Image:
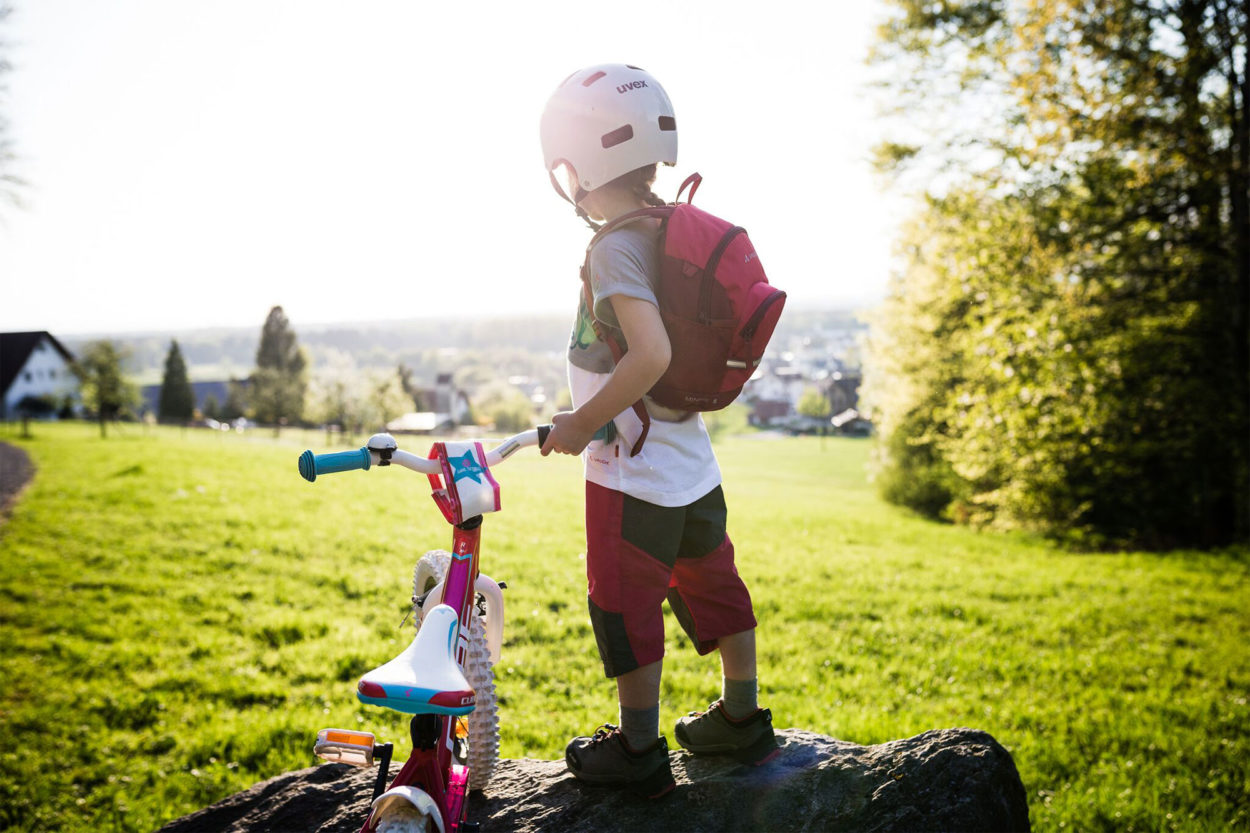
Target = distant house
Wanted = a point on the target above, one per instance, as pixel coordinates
(842, 391)
(766, 412)
(773, 394)
(852, 423)
(443, 407)
(778, 383)
(35, 366)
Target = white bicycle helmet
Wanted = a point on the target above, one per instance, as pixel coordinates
(605, 121)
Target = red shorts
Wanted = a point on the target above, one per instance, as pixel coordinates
(638, 554)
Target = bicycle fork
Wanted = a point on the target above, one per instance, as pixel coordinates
(431, 772)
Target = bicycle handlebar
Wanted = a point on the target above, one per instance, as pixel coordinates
(311, 465)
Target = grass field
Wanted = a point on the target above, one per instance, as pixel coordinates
(180, 613)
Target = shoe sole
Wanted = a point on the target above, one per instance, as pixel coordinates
(656, 784)
(757, 753)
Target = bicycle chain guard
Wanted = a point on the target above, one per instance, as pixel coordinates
(465, 488)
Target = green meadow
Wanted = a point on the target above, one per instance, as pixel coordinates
(180, 613)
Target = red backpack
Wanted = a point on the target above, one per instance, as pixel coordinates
(716, 303)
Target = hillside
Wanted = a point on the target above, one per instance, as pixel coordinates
(183, 613)
(509, 346)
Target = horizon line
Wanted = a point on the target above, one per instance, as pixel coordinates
(139, 332)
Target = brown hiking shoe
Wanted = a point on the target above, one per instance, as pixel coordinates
(749, 740)
(606, 759)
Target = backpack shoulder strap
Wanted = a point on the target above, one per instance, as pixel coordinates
(658, 212)
(609, 338)
(606, 335)
(693, 181)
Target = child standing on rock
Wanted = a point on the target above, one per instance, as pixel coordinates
(655, 521)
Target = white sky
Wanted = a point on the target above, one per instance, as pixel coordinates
(192, 164)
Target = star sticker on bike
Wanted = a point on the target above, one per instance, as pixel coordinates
(466, 467)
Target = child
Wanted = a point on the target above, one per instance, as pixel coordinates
(655, 522)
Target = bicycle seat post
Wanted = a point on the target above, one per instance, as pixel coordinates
(424, 731)
(383, 753)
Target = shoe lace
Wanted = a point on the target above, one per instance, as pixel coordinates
(604, 732)
(711, 708)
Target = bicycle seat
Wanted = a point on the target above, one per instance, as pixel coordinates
(425, 678)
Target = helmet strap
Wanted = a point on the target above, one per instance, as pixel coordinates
(581, 212)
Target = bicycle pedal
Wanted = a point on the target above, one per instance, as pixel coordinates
(344, 746)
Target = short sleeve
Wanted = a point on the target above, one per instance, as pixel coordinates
(623, 264)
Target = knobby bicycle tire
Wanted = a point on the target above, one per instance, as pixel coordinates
(483, 721)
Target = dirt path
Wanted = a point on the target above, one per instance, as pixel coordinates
(15, 472)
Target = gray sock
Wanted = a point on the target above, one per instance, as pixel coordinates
(641, 727)
(741, 697)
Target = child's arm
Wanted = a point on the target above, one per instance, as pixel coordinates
(639, 370)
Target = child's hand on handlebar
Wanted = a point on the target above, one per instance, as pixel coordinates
(568, 435)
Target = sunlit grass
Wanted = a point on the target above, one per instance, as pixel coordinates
(181, 612)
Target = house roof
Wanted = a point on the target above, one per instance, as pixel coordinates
(846, 417)
(15, 349)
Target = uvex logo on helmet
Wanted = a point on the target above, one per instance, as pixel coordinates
(632, 85)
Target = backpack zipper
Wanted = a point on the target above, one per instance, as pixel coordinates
(753, 324)
(709, 272)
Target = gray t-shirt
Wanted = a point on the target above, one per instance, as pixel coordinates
(676, 465)
(625, 262)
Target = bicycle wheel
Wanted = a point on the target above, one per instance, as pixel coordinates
(431, 569)
(483, 721)
(402, 817)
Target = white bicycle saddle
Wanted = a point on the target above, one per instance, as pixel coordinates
(425, 678)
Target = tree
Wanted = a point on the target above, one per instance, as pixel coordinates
(235, 405)
(212, 408)
(105, 390)
(407, 383)
(10, 182)
(35, 407)
(1068, 348)
(334, 389)
(280, 380)
(177, 403)
(504, 406)
(385, 399)
(814, 404)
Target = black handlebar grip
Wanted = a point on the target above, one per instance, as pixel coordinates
(543, 431)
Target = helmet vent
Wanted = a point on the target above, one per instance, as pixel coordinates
(622, 134)
(631, 66)
(668, 123)
(592, 79)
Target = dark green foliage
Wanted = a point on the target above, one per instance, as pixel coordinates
(280, 379)
(34, 407)
(106, 392)
(236, 400)
(177, 403)
(1071, 337)
(37, 406)
(919, 476)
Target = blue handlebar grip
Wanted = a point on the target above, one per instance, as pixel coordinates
(311, 465)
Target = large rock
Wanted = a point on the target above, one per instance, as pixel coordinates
(953, 779)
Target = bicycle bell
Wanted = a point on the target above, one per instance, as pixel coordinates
(384, 445)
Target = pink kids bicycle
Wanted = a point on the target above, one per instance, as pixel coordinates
(444, 677)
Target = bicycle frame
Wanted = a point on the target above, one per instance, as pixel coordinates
(431, 772)
(431, 766)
